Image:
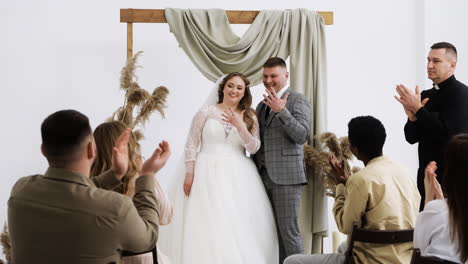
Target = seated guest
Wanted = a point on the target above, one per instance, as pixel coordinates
(381, 196)
(441, 229)
(64, 216)
(106, 136)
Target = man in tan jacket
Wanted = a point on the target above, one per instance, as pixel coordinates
(381, 196)
(65, 217)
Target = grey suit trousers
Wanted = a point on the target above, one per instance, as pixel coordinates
(285, 200)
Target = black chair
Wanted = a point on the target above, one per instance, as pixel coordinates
(377, 237)
(418, 259)
(129, 253)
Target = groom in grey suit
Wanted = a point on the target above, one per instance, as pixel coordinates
(284, 120)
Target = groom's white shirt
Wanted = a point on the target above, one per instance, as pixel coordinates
(281, 92)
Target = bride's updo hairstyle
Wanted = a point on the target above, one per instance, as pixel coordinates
(245, 103)
(105, 136)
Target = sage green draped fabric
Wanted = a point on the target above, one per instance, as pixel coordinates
(207, 39)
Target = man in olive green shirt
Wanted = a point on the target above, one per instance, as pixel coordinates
(380, 196)
(65, 217)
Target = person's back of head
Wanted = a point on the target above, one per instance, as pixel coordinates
(64, 134)
(105, 136)
(366, 135)
(455, 183)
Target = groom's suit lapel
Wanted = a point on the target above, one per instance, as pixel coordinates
(272, 114)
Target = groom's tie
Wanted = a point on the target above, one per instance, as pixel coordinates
(267, 112)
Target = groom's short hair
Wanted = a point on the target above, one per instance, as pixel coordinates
(273, 62)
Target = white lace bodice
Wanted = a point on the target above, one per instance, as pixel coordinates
(210, 134)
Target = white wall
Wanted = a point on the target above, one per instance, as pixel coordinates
(445, 22)
(64, 54)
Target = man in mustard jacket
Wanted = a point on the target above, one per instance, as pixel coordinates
(381, 196)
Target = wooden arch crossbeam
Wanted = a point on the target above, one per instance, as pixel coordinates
(131, 16)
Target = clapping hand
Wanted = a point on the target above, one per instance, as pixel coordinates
(272, 100)
(150, 167)
(431, 185)
(157, 160)
(120, 154)
(410, 101)
(234, 118)
(338, 170)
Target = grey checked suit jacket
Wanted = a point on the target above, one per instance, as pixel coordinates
(283, 137)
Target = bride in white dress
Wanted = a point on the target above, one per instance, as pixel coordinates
(222, 213)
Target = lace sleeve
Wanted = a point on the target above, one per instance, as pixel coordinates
(192, 145)
(251, 141)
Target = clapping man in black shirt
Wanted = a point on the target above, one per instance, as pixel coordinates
(435, 115)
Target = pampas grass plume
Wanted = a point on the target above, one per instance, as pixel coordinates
(125, 115)
(138, 135)
(159, 98)
(319, 161)
(127, 74)
(137, 96)
(6, 243)
(331, 141)
(156, 103)
(345, 147)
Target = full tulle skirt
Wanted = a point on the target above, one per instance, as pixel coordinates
(227, 218)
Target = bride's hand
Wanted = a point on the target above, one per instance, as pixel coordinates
(188, 183)
(234, 118)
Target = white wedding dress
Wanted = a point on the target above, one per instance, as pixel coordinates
(228, 217)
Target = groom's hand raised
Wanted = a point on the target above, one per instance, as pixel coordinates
(272, 100)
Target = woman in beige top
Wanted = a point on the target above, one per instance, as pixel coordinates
(105, 136)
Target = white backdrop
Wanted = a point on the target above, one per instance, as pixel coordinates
(68, 54)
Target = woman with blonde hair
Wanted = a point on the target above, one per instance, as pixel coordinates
(105, 136)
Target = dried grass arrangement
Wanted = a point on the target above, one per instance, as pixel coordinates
(138, 100)
(319, 161)
(5, 240)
